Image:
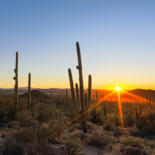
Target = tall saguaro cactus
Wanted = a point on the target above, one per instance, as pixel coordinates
(71, 84)
(16, 81)
(79, 67)
(89, 89)
(29, 90)
(77, 92)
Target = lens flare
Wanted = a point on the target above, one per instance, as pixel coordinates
(120, 109)
(100, 101)
(118, 88)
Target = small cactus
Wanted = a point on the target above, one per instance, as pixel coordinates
(16, 81)
(71, 84)
(89, 89)
(29, 91)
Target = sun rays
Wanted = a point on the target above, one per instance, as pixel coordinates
(117, 91)
(93, 106)
(120, 108)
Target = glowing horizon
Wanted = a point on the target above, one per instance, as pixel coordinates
(108, 88)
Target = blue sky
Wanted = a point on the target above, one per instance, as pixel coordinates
(117, 39)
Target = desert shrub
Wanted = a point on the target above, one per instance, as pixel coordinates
(97, 116)
(57, 130)
(132, 141)
(129, 120)
(119, 131)
(150, 144)
(77, 133)
(73, 146)
(6, 110)
(11, 147)
(71, 110)
(146, 123)
(24, 117)
(100, 139)
(22, 105)
(44, 112)
(146, 145)
(44, 134)
(111, 121)
(34, 135)
(27, 134)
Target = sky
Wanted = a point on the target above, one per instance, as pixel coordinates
(117, 41)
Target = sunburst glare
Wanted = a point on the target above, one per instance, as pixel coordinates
(118, 88)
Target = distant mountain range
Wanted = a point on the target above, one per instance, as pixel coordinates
(24, 90)
(145, 94)
(140, 92)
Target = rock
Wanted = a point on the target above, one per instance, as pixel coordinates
(128, 150)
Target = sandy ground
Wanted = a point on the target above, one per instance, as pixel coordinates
(91, 150)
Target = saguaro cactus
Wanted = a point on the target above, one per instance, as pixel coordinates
(16, 81)
(89, 89)
(79, 67)
(29, 90)
(71, 84)
(77, 92)
(66, 96)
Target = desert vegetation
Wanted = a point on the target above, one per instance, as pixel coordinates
(77, 120)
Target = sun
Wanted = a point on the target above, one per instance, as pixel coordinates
(118, 88)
